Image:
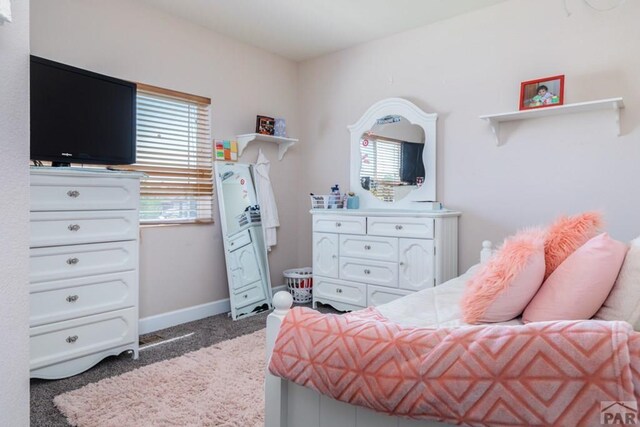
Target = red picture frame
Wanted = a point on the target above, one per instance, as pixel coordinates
(542, 93)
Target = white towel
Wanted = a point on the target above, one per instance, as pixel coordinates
(5, 11)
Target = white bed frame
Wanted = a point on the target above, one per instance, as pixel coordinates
(290, 405)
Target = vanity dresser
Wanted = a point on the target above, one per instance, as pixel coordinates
(366, 258)
(83, 270)
(400, 240)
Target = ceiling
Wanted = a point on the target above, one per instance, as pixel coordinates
(303, 29)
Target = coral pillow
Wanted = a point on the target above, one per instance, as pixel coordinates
(503, 287)
(566, 235)
(579, 286)
(623, 303)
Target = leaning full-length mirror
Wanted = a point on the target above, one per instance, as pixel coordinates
(245, 250)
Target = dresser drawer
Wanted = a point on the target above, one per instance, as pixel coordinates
(239, 240)
(369, 247)
(69, 299)
(82, 193)
(401, 227)
(377, 295)
(250, 295)
(338, 290)
(70, 339)
(71, 228)
(369, 271)
(339, 224)
(66, 262)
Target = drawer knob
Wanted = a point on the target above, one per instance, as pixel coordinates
(73, 193)
(246, 296)
(73, 261)
(338, 224)
(338, 291)
(401, 263)
(334, 256)
(367, 247)
(72, 298)
(72, 339)
(231, 243)
(399, 227)
(73, 227)
(367, 271)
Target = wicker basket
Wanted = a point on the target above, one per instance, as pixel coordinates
(327, 201)
(300, 284)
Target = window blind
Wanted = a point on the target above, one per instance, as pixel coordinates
(174, 149)
(382, 160)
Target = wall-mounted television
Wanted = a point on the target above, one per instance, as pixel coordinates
(79, 116)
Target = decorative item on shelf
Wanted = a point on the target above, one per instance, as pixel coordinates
(544, 92)
(353, 201)
(280, 128)
(226, 150)
(265, 125)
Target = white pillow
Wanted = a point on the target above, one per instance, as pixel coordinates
(623, 303)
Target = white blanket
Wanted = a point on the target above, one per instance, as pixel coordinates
(433, 307)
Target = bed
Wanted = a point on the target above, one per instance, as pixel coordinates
(435, 313)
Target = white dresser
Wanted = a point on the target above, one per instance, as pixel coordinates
(83, 268)
(369, 257)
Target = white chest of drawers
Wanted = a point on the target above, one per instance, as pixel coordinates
(83, 270)
(369, 257)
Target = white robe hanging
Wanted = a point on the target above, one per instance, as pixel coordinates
(5, 11)
(266, 200)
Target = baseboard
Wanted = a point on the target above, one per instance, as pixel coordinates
(197, 312)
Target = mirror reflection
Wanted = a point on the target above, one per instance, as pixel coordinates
(391, 154)
(245, 251)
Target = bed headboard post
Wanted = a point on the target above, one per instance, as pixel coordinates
(275, 414)
(486, 252)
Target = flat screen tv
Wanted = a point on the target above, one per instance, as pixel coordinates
(78, 116)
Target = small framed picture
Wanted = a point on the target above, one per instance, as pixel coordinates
(265, 125)
(540, 93)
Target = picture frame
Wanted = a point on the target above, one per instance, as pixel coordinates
(265, 125)
(542, 93)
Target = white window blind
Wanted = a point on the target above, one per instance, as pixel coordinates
(174, 149)
(382, 160)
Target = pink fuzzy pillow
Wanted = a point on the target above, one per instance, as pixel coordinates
(566, 235)
(580, 285)
(503, 287)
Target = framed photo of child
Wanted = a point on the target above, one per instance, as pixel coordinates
(540, 93)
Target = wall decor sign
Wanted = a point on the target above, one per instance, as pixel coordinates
(540, 93)
(265, 125)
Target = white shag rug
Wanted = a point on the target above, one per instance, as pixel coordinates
(220, 385)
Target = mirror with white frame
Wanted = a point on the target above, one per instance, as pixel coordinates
(243, 236)
(393, 156)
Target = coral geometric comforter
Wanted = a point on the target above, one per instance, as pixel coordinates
(551, 373)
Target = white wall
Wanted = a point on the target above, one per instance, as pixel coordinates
(183, 266)
(473, 65)
(14, 218)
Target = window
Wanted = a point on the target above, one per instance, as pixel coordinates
(174, 149)
(381, 166)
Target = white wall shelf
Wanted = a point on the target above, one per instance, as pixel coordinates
(283, 143)
(615, 104)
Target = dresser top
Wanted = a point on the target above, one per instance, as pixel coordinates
(77, 171)
(387, 212)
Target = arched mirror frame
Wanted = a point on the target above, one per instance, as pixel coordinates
(401, 107)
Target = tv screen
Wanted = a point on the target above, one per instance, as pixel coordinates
(78, 116)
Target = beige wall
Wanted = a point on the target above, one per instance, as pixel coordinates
(183, 266)
(14, 218)
(473, 65)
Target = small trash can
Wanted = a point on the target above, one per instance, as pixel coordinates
(299, 282)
